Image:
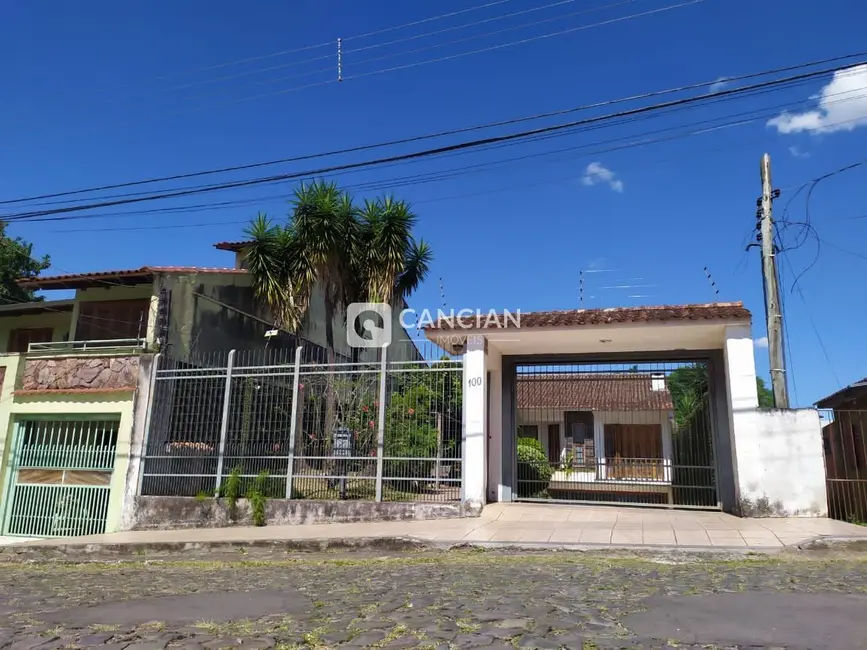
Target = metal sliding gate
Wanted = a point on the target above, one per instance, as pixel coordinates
(619, 433)
(60, 477)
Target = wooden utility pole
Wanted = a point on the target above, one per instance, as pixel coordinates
(772, 292)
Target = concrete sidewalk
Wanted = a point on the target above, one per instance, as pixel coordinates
(521, 525)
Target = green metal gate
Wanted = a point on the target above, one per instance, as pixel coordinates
(60, 478)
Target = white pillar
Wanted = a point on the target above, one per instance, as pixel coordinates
(494, 361)
(743, 400)
(475, 422)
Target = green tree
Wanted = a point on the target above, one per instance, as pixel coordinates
(16, 262)
(351, 254)
(766, 397)
(354, 255)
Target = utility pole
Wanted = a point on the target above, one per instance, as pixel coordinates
(772, 290)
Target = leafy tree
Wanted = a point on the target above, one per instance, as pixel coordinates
(766, 396)
(16, 262)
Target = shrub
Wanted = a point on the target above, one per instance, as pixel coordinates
(534, 470)
(257, 495)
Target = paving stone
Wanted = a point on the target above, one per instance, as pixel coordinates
(494, 599)
(92, 640)
(33, 642)
(544, 644)
(261, 643)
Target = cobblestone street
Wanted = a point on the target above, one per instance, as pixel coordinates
(457, 599)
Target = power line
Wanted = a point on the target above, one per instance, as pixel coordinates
(463, 26)
(400, 181)
(513, 28)
(522, 41)
(334, 55)
(472, 144)
(439, 174)
(459, 131)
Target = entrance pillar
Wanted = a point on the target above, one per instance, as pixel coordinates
(475, 422)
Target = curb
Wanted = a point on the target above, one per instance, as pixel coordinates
(137, 551)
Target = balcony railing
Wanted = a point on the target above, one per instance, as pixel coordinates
(113, 345)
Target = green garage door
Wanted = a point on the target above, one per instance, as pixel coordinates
(60, 478)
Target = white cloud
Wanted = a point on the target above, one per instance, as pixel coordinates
(596, 173)
(797, 152)
(842, 106)
(761, 342)
(719, 84)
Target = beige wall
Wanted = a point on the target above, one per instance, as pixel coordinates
(59, 321)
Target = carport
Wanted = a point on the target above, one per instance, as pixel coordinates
(606, 406)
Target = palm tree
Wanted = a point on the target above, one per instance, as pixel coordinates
(390, 264)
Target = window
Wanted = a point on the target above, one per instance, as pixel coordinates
(115, 319)
(528, 431)
(20, 339)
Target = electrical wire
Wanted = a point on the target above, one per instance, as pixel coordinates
(419, 178)
(472, 144)
(441, 134)
(522, 41)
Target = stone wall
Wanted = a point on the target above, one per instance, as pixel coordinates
(93, 373)
(164, 513)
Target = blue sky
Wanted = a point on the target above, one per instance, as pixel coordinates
(103, 92)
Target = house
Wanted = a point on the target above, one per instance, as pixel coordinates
(599, 428)
(313, 326)
(845, 445)
(77, 374)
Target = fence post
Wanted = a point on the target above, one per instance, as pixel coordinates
(149, 410)
(224, 422)
(293, 425)
(380, 429)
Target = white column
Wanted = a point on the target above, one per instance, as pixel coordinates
(475, 434)
(743, 400)
(494, 361)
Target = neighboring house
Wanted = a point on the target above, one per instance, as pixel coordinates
(313, 327)
(845, 445)
(72, 372)
(599, 429)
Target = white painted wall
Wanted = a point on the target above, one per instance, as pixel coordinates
(785, 473)
(474, 439)
(778, 461)
(495, 426)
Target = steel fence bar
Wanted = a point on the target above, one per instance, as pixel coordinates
(380, 429)
(293, 424)
(224, 422)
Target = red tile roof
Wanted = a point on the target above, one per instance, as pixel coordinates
(592, 392)
(578, 317)
(124, 276)
(233, 246)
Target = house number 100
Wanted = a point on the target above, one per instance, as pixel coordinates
(475, 381)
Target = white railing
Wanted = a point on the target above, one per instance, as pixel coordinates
(86, 346)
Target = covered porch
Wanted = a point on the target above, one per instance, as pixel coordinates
(590, 405)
